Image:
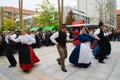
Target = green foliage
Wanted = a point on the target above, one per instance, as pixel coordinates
(48, 16)
(70, 18)
(7, 24)
(36, 21)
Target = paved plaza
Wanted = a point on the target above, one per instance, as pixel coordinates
(48, 69)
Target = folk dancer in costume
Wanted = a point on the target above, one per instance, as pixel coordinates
(97, 49)
(108, 45)
(82, 54)
(11, 46)
(60, 38)
(100, 36)
(27, 57)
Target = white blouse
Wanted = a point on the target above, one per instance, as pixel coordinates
(26, 39)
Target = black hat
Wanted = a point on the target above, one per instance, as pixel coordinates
(101, 24)
(63, 26)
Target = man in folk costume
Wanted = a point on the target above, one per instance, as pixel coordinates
(27, 57)
(100, 36)
(60, 38)
(11, 47)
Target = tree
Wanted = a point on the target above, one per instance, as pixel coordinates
(100, 8)
(70, 18)
(110, 12)
(35, 21)
(105, 10)
(7, 24)
(48, 16)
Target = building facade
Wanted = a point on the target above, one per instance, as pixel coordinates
(13, 13)
(78, 14)
(118, 19)
(99, 10)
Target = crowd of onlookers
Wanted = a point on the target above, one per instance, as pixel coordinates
(43, 38)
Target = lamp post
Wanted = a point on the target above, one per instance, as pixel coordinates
(60, 11)
(1, 16)
(20, 13)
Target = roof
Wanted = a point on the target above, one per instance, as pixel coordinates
(27, 17)
(118, 12)
(16, 10)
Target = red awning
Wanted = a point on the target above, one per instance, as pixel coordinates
(78, 22)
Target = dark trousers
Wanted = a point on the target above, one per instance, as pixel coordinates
(102, 54)
(63, 55)
(9, 55)
(1, 50)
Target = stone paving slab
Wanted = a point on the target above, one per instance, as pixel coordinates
(48, 69)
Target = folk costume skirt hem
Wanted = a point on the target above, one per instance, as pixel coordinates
(29, 58)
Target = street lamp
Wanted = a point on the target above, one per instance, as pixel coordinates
(60, 11)
(1, 17)
(20, 13)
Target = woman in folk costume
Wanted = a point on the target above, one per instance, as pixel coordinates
(82, 53)
(27, 57)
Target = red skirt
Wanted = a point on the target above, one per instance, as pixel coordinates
(33, 59)
(76, 42)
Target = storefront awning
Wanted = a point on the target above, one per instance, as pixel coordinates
(34, 29)
(49, 28)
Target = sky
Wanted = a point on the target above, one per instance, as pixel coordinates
(30, 4)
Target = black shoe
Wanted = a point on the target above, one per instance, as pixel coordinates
(106, 57)
(96, 57)
(58, 61)
(12, 66)
(101, 62)
(26, 71)
(64, 70)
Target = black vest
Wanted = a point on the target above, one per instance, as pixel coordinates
(62, 38)
(10, 42)
(101, 35)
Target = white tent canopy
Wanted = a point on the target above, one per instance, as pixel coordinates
(81, 25)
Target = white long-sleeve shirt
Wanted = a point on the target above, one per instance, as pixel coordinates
(55, 35)
(98, 32)
(26, 39)
(13, 36)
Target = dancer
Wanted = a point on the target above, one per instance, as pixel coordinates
(11, 46)
(27, 57)
(60, 38)
(99, 35)
(82, 53)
